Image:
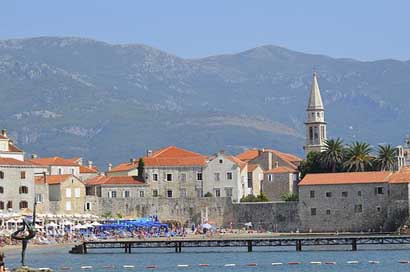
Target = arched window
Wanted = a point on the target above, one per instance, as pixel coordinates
(1, 190)
(1, 205)
(23, 190)
(23, 204)
(1, 175)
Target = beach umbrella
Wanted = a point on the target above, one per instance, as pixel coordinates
(95, 224)
(206, 226)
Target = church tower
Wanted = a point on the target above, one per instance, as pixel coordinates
(315, 122)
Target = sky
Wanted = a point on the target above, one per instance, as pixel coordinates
(359, 29)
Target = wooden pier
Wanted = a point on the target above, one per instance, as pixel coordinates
(298, 242)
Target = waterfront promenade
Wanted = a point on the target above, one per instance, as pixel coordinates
(296, 241)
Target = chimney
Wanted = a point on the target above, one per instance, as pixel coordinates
(276, 164)
(109, 167)
(80, 161)
(134, 161)
(269, 160)
(149, 153)
(90, 164)
(4, 132)
(34, 156)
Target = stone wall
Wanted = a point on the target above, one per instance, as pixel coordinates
(271, 216)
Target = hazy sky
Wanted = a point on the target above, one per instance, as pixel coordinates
(362, 29)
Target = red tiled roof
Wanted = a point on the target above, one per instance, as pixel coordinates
(169, 156)
(248, 155)
(119, 180)
(58, 161)
(403, 176)
(88, 170)
(10, 161)
(234, 159)
(254, 153)
(345, 178)
(281, 169)
(52, 179)
(13, 148)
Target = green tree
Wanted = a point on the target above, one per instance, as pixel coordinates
(208, 194)
(312, 164)
(333, 155)
(386, 157)
(141, 166)
(289, 197)
(358, 158)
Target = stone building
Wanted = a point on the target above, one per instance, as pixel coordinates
(344, 201)
(255, 178)
(17, 190)
(8, 149)
(58, 166)
(279, 181)
(170, 172)
(60, 194)
(226, 176)
(316, 134)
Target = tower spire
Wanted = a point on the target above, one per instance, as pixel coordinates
(315, 122)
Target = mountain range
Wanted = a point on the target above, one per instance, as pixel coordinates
(77, 97)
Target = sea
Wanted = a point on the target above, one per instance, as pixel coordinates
(384, 259)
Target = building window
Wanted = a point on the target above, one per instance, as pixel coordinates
(358, 208)
(328, 212)
(221, 161)
(217, 176)
(155, 177)
(312, 194)
(270, 177)
(1, 205)
(169, 177)
(88, 206)
(68, 192)
(218, 192)
(378, 208)
(359, 193)
(72, 171)
(23, 190)
(199, 176)
(250, 183)
(344, 194)
(23, 174)
(68, 206)
(60, 171)
(328, 194)
(77, 192)
(311, 134)
(1, 175)
(379, 190)
(1, 190)
(229, 176)
(39, 198)
(9, 205)
(142, 193)
(23, 205)
(126, 194)
(313, 211)
(169, 193)
(155, 193)
(228, 192)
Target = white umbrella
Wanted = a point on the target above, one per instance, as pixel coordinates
(206, 226)
(95, 224)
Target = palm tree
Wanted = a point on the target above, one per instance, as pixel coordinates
(358, 157)
(333, 154)
(386, 157)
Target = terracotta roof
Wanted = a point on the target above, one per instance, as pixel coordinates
(345, 178)
(52, 179)
(10, 161)
(403, 176)
(13, 148)
(281, 169)
(254, 153)
(104, 180)
(169, 156)
(252, 167)
(239, 162)
(58, 161)
(88, 170)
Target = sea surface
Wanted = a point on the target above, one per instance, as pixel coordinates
(238, 259)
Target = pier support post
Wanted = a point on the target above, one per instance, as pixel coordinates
(84, 248)
(180, 247)
(250, 246)
(298, 245)
(354, 244)
(129, 248)
(176, 247)
(125, 248)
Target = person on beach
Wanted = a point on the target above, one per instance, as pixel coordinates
(2, 265)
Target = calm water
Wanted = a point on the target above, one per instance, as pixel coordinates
(166, 260)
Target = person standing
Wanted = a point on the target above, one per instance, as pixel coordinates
(2, 265)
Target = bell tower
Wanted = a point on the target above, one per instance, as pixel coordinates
(315, 122)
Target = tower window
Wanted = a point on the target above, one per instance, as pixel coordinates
(310, 134)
